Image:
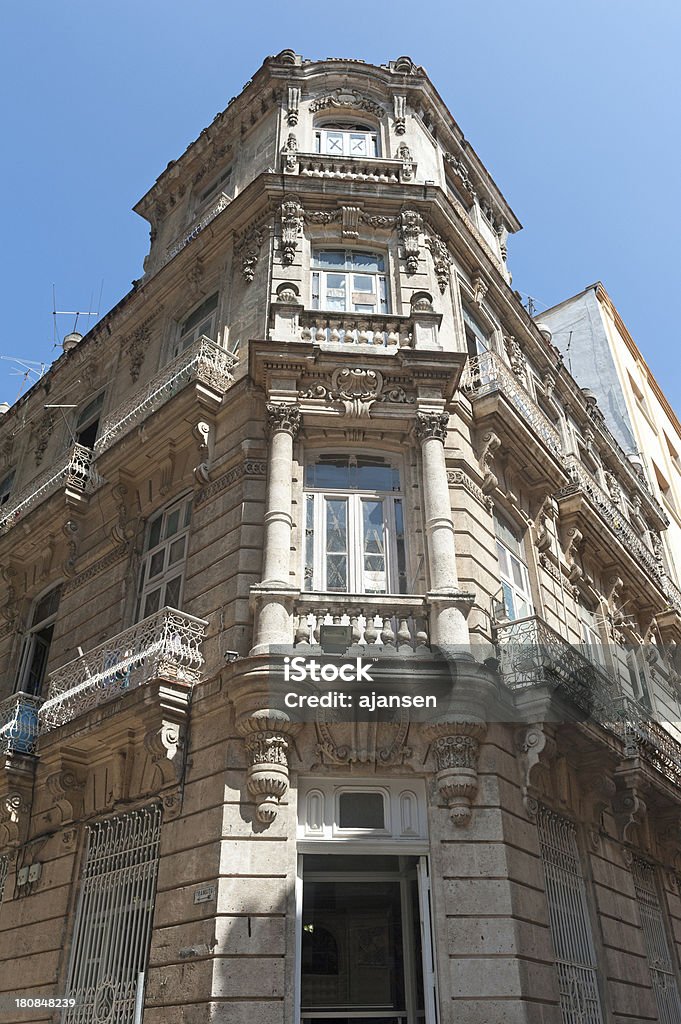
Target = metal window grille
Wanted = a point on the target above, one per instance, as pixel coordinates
(656, 943)
(4, 864)
(573, 944)
(113, 920)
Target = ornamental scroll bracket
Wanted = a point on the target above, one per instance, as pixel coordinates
(536, 750)
(292, 215)
(411, 226)
(455, 746)
(268, 736)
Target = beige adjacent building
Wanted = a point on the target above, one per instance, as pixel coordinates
(321, 426)
(595, 341)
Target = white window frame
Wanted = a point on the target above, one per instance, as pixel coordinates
(188, 333)
(320, 287)
(591, 639)
(406, 834)
(478, 341)
(346, 138)
(90, 414)
(520, 591)
(316, 507)
(171, 571)
(32, 641)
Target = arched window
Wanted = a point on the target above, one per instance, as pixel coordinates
(347, 280)
(36, 648)
(354, 526)
(346, 138)
(165, 553)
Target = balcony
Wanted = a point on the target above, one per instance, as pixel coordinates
(73, 473)
(485, 379)
(166, 645)
(644, 736)
(203, 362)
(19, 724)
(347, 329)
(346, 168)
(384, 622)
(607, 512)
(195, 228)
(531, 654)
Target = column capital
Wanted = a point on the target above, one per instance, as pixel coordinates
(431, 425)
(282, 416)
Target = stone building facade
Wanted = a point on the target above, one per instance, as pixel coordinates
(323, 426)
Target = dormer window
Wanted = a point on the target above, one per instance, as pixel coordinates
(346, 138)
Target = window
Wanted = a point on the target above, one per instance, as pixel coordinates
(36, 647)
(592, 643)
(636, 665)
(569, 920)
(198, 323)
(477, 337)
(87, 424)
(515, 580)
(6, 485)
(350, 281)
(354, 526)
(656, 942)
(165, 551)
(664, 486)
(344, 138)
(112, 926)
(219, 184)
(364, 934)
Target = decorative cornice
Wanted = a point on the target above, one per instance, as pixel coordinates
(107, 562)
(249, 468)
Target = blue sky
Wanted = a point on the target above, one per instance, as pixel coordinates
(573, 107)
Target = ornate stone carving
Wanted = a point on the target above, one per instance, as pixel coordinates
(283, 417)
(516, 358)
(42, 433)
(249, 467)
(346, 99)
(411, 226)
(293, 105)
(357, 389)
(137, 347)
(462, 173)
(542, 536)
(480, 287)
(379, 743)
(267, 734)
(408, 162)
(67, 787)
(288, 294)
(630, 813)
(572, 545)
(350, 221)
(441, 260)
(14, 818)
(290, 152)
(165, 746)
(101, 565)
(9, 610)
(248, 252)
(201, 432)
(195, 276)
(399, 114)
(491, 445)
(70, 531)
(455, 747)
(291, 228)
(431, 424)
(536, 750)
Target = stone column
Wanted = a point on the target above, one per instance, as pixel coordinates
(273, 596)
(448, 604)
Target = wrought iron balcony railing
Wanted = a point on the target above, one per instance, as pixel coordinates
(615, 519)
(644, 736)
(352, 329)
(388, 621)
(203, 361)
(73, 471)
(166, 645)
(196, 227)
(19, 724)
(532, 654)
(487, 373)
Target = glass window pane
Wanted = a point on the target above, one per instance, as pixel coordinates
(336, 525)
(188, 513)
(362, 283)
(172, 598)
(334, 143)
(154, 532)
(176, 551)
(309, 542)
(361, 810)
(337, 573)
(399, 543)
(151, 603)
(518, 574)
(172, 523)
(156, 563)
(509, 603)
(333, 258)
(503, 559)
(358, 145)
(367, 261)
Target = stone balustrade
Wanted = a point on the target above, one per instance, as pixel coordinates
(19, 723)
(487, 373)
(165, 645)
(613, 516)
(389, 622)
(204, 361)
(323, 328)
(319, 165)
(72, 471)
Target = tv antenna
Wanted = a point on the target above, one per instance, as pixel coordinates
(27, 369)
(74, 313)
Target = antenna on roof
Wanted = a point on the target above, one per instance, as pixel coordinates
(57, 341)
(26, 369)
